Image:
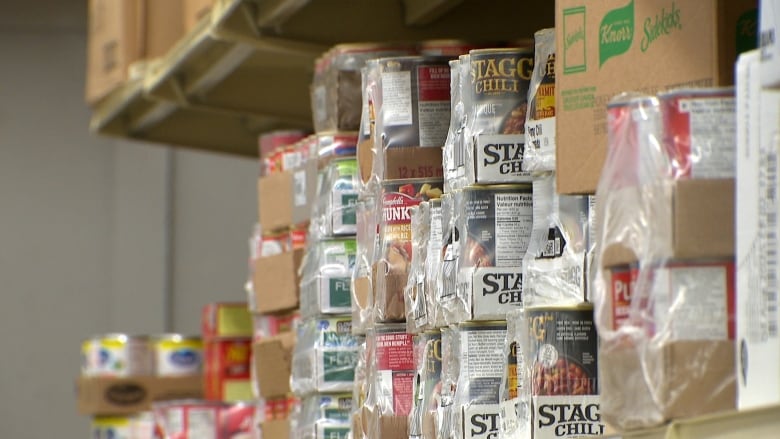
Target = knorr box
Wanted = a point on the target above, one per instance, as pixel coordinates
(612, 46)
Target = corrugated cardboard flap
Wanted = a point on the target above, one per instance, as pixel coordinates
(276, 282)
(124, 396)
(703, 219)
(273, 363)
(275, 202)
(275, 429)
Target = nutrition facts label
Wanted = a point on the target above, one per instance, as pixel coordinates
(397, 98)
(513, 225)
(483, 355)
(712, 136)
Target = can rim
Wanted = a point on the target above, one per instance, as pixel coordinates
(512, 50)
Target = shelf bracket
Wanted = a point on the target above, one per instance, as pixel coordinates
(248, 13)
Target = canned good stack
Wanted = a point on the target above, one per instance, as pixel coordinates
(122, 374)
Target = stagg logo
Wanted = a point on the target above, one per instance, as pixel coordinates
(507, 155)
(507, 286)
(484, 425)
(570, 420)
(125, 394)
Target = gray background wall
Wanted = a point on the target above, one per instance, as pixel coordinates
(84, 224)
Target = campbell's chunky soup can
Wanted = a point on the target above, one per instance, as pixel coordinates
(563, 352)
(395, 367)
(398, 198)
(499, 80)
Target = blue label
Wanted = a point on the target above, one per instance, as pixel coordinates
(185, 357)
(105, 357)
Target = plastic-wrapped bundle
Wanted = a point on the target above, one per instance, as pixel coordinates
(456, 115)
(449, 308)
(326, 284)
(450, 371)
(337, 194)
(325, 356)
(665, 269)
(495, 142)
(427, 388)
(359, 392)
(515, 413)
(365, 260)
(462, 109)
(204, 419)
(415, 302)
(325, 417)
(398, 198)
(539, 154)
(554, 267)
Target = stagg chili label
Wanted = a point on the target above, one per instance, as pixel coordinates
(481, 421)
(498, 223)
(564, 372)
(395, 368)
(499, 86)
(415, 105)
(511, 370)
(540, 124)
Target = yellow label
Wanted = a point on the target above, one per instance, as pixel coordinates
(170, 345)
(112, 343)
(512, 380)
(234, 322)
(238, 390)
(110, 421)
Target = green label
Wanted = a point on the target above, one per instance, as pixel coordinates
(349, 214)
(574, 60)
(347, 167)
(337, 414)
(350, 247)
(664, 23)
(339, 366)
(747, 31)
(335, 339)
(335, 432)
(616, 32)
(340, 292)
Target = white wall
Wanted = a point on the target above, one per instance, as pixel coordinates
(86, 225)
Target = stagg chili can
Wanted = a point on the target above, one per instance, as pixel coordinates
(563, 356)
(395, 367)
(482, 368)
(398, 198)
(496, 230)
(500, 79)
(415, 107)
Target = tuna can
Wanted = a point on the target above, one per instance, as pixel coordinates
(415, 105)
(500, 79)
(117, 355)
(701, 127)
(563, 356)
(177, 355)
(482, 364)
(497, 224)
(398, 198)
(395, 367)
(111, 427)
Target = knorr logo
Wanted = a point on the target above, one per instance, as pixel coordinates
(664, 23)
(616, 32)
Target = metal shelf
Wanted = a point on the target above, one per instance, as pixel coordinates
(758, 423)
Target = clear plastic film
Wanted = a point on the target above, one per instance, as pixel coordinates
(515, 412)
(326, 277)
(456, 114)
(450, 371)
(325, 417)
(362, 275)
(359, 392)
(554, 267)
(664, 282)
(477, 404)
(495, 225)
(433, 263)
(539, 154)
(464, 111)
(449, 307)
(337, 195)
(254, 245)
(427, 390)
(496, 108)
(325, 356)
(415, 300)
(392, 272)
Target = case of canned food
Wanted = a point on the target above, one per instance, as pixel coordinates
(326, 284)
(664, 287)
(420, 292)
(539, 152)
(325, 417)
(325, 356)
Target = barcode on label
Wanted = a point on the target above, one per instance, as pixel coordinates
(768, 232)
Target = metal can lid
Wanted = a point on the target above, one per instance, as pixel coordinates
(482, 324)
(499, 187)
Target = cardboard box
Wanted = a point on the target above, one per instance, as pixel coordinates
(194, 11)
(164, 26)
(694, 219)
(614, 46)
(769, 18)
(225, 320)
(758, 119)
(227, 370)
(125, 396)
(416, 162)
(275, 429)
(286, 198)
(276, 282)
(115, 40)
(273, 363)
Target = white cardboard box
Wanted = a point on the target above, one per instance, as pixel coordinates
(769, 17)
(758, 342)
